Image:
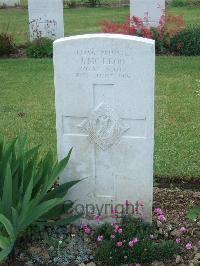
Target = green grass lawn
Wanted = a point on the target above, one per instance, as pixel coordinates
(79, 21)
(27, 86)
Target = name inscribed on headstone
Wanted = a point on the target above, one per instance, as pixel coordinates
(112, 62)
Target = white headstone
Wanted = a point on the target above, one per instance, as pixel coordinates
(104, 87)
(151, 9)
(9, 2)
(46, 19)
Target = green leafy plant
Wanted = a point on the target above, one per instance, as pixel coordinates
(71, 3)
(193, 3)
(130, 242)
(27, 192)
(39, 48)
(182, 3)
(194, 213)
(7, 45)
(178, 3)
(93, 3)
(186, 42)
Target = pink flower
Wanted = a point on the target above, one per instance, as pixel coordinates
(100, 238)
(114, 224)
(112, 236)
(158, 211)
(183, 229)
(84, 226)
(131, 243)
(135, 240)
(117, 228)
(120, 230)
(178, 240)
(98, 218)
(86, 229)
(119, 243)
(189, 246)
(161, 218)
(114, 211)
(138, 264)
(151, 237)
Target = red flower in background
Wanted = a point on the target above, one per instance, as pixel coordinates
(169, 26)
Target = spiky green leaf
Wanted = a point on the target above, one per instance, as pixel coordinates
(7, 193)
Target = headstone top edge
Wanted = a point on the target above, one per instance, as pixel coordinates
(105, 35)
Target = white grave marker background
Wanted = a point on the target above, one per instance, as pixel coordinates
(46, 19)
(105, 110)
(9, 2)
(151, 8)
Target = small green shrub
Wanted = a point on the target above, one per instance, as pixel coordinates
(193, 3)
(182, 3)
(178, 3)
(144, 250)
(186, 42)
(194, 213)
(27, 192)
(7, 45)
(93, 3)
(39, 48)
(71, 3)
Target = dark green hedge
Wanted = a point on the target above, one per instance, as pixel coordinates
(186, 42)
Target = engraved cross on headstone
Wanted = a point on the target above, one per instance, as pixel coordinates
(104, 128)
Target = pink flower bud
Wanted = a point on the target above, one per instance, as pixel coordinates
(84, 226)
(100, 238)
(87, 230)
(135, 240)
(119, 230)
(158, 211)
(116, 228)
(114, 211)
(98, 218)
(130, 243)
(119, 244)
(189, 246)
(183, 229)
(161, 218)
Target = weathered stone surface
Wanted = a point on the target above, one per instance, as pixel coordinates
(46, 19)
(105, 110)
(150, 11)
